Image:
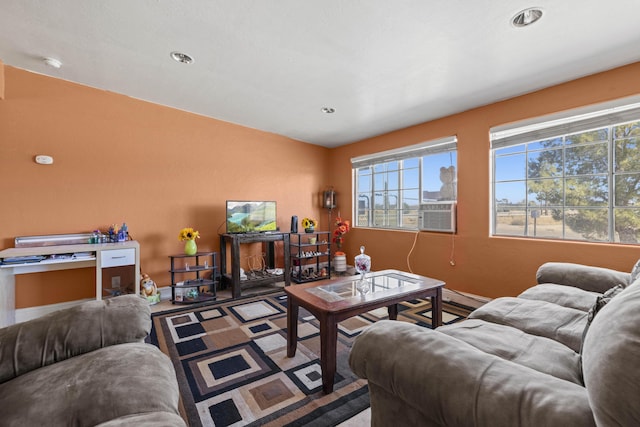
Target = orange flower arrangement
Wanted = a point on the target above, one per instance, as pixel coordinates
(342, 228)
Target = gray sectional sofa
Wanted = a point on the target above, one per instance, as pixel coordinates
(565, 353)
(86, 366)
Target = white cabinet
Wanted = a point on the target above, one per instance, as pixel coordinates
(101, 256)
(118, 257)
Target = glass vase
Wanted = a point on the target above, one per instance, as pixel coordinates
(363, 266)
(190, 247)
(363, 262)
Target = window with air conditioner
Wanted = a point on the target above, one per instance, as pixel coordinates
(393, 189)
(572, 178)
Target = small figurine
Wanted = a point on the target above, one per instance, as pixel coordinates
(149, 289)
(122, 234)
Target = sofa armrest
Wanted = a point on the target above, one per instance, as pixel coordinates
(69, 332)
(589, 278)
(454, 384)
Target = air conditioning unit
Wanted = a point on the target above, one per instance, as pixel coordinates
(437, 216)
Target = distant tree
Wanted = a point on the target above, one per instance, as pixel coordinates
(584, 163)
(627, 185)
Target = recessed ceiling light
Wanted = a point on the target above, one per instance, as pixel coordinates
(526, 17)
(328, 110)
(182, 57)
(52, 62)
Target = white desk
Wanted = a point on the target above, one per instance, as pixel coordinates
(100, 256)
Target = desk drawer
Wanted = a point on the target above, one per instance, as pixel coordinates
(117, 257)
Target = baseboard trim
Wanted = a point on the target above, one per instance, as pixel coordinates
(464, 298)
(24, 314)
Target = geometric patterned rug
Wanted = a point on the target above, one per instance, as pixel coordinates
(231, 362)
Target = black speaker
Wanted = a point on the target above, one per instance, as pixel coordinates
(294, 224)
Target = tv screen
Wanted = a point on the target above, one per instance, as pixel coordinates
(251, 217)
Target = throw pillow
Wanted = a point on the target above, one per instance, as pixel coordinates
(601, 301)
(635, 272)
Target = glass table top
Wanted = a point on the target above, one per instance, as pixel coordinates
(377, 283)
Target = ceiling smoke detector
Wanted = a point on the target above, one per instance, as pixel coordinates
(526, 17)
(181, 57)
(328, 110)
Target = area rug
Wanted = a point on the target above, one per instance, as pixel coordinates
(231, 362)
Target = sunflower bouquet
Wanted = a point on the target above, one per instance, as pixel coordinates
(309, 223)
(188, 234)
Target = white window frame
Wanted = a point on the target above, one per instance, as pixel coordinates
(564, 124)
(417, 151)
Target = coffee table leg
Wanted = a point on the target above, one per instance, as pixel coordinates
(393, 311)
(436, 309)
(328, 348)
(292, 327)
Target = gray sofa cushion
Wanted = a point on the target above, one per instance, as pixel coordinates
(539, 353)
(66, 333)
(92, 388)
(545, 319)
(152, 419)
(635, 272)
(596, 279)
(601, 301)
(565, 296)
(610, 360)
(452, 383)
(514, 361)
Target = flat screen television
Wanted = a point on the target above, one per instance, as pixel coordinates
(251, 216)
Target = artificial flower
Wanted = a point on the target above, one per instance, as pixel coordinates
(309, 223)
(342, 228)
(188, 234)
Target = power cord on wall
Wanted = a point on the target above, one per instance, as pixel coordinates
(452, 260)
(415, 240)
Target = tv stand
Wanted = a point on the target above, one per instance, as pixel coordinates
(232, 278)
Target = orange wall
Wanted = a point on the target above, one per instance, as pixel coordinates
(117, 159)
(484, 265)
(1, 80)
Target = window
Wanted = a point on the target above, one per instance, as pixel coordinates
(576, 179)
(390, 186)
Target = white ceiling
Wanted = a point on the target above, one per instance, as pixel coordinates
(272, 65)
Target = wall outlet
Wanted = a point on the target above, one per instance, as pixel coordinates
(115, 282)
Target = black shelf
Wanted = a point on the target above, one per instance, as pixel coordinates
(262, 279)
(307, 258)
(202, 297)
(232, 276)
(194, 283)
(206, 287)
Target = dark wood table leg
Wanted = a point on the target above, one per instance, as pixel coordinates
(436, 309)
(393, 311)
(328, 348)
(292, 326)
(235, 269)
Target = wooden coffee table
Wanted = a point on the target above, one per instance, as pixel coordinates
(335, 301)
